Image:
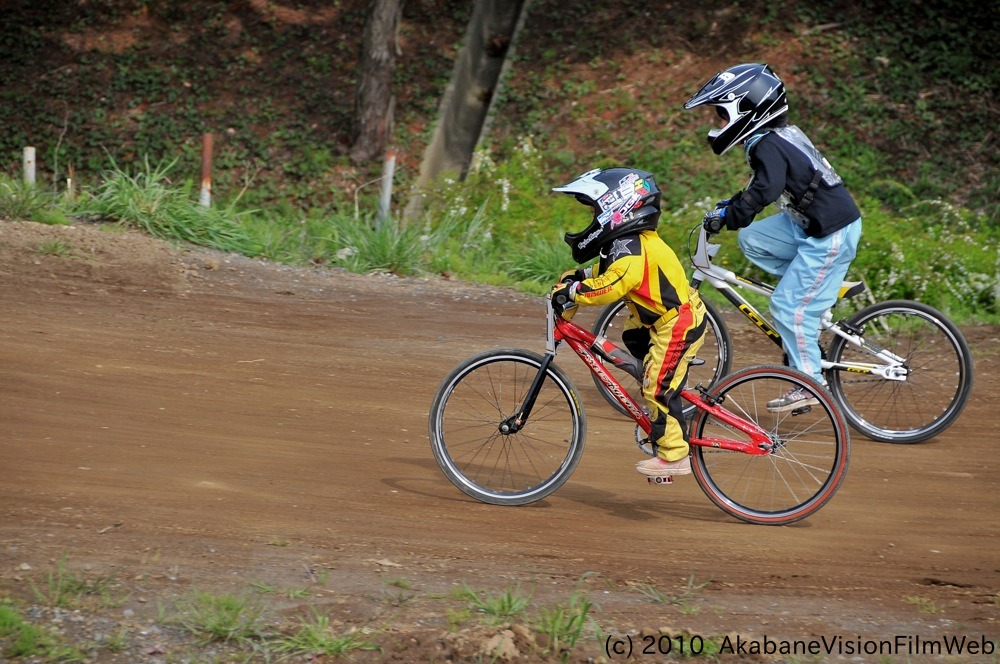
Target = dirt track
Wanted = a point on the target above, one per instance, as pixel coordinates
(190, 421)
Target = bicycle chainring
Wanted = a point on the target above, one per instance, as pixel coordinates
(645, 444)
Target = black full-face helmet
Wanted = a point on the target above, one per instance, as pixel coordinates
(623, 201)
(747, 96)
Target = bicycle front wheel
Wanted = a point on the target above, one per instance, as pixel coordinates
(714, 356)
(936, 388)
(506, 468)
(810, 449)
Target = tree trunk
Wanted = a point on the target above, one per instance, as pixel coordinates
(466, 106)
(374, 101)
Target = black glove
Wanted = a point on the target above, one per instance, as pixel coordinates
(714, 220)
(723, 203)
(561, 295)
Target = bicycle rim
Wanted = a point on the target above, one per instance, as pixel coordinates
(936, 389)
(497, 468)
(714, 351)
(806, 466)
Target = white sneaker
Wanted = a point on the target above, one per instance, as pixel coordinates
(657, 467)
(797, 397)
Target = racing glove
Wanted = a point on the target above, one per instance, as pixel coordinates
(562, 295)
(715, 220)
(569, 276)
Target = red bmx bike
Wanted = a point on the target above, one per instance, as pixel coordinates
(507, 427)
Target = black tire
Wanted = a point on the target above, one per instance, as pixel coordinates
(805, 467)
(515, 468)
(935, 391)
(715, 351)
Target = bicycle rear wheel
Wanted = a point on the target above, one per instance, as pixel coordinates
(935, 390)
(715, 352)
(806, 465)
(506, 468)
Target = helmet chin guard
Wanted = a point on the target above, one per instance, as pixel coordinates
(624, 201)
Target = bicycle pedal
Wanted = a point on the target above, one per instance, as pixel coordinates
(669, 479)
(802, 411)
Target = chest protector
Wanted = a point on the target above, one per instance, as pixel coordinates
(823, 172)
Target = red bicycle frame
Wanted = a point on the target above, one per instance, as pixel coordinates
(588, 346)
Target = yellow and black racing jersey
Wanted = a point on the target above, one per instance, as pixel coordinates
(641, 268)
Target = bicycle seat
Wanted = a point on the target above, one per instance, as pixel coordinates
(850, 289)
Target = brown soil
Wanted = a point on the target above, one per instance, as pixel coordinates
(176, 420)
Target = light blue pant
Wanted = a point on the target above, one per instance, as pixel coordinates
(811, 271)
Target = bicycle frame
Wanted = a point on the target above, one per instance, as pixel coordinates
(585, 344)
(726, 282)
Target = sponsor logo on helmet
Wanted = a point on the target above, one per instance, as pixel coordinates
(590, 238)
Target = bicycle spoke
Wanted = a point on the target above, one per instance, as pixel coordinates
(938, 380)
(512, 468)
(804, 466)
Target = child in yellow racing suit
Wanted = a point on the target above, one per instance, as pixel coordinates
(667, 317)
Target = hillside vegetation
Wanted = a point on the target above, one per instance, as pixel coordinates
(900, 96)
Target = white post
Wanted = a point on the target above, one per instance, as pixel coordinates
(29, 166)
(385, 196)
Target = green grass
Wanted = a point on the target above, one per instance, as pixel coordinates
(147, 199)
(925, 605)
(58, 248)
(564, 623)
(64, 588)
(495, 609)
(314, 637)
(685, 601)
(21, 639)
(221, 618)
(19, 200)
(929, 250)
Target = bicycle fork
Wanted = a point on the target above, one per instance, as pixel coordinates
(514, 423)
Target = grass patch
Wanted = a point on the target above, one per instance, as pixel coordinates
(65, 588)
(315, 638)
(221, 618)
(58, 248)
(19, 200)
(495, 609)
(564, 624)
(147, 199)
(21, 639)
(925, 605)
(685, 601)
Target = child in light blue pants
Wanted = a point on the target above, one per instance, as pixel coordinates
(811, 271)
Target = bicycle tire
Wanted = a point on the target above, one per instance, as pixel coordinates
(514, 468)
(933, 394)
(804, 469)
(715, 351)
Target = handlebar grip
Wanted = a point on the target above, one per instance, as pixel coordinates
(560, 299)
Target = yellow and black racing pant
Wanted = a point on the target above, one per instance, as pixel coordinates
(668, 347)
